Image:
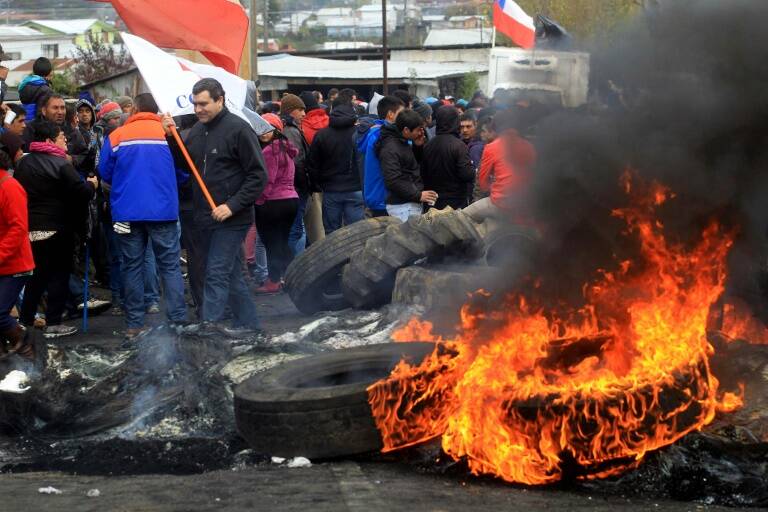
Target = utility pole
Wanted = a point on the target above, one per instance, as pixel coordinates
(384, 50)
(254, 36)
(266, 25)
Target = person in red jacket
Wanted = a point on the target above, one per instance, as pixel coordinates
(505, 171)
(16, 262)
(316, 119)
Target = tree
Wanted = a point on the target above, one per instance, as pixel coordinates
(468, 84)
(586, 18)
(63, 84)
(99, 60)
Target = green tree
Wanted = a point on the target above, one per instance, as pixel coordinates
(64, 84)
(586, 18)
(468, 84)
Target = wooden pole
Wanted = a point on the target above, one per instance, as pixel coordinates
(192, 166)
(254, 41)
(384, 51)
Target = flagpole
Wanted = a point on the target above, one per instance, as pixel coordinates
(192, 166)
(493, 37)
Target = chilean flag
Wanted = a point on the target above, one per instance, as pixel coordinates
(511, 20)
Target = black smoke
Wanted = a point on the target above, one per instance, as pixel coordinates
(680, 95)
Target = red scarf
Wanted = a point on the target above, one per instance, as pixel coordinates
(49, 148)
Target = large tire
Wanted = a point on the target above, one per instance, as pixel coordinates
(317, 407)
(313, 279)
(369, 278)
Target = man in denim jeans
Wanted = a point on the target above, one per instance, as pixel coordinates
(138, 164)
(226, 151)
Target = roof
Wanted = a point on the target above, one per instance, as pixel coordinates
(7, 31)
(58, 63)
(348, 21)
(466, 17)
(334, 11)
(458, 36)
(377, 8)
(433, 17)
(291, 66)
(70, 27)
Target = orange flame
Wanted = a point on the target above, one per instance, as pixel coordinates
(536, 395)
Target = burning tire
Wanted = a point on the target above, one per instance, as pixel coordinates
(369, 278)
(317, 407)
(313, 279)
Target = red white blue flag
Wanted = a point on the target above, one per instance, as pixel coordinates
(512, 21)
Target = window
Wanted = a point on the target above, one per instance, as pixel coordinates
(50, 51)
(12, 55)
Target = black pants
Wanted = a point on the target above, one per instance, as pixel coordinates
(197, 255)
(273, 222)
(53, 261)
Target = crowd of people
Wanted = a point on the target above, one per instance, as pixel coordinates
(104, 192)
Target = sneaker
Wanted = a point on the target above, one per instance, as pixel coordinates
(153, 309)
(185, 327)
(116, 311)
(242, 332)
(96, 306)
(58, 331)
(268, 288)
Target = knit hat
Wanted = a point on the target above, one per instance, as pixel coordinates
(422, 109)
(308, 97)
(289, 103)
(274, 120)
(110, 110)
(123, 101)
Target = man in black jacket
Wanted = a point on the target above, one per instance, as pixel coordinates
(53, 109)
(333, 168)
(226, 151)
(399, 167)
(446, 167)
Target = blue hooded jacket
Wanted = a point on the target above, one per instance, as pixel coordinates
(32, 89)
(374, 190)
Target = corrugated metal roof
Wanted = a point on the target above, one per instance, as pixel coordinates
(458, 36)
(291, 66)
(71, 27)
(7, 31)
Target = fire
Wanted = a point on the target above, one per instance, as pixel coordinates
(530, 393)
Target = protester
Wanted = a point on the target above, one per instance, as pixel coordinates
(316, 117)
(15, 120)
(374, 190)
(399, 167)
(57, 195)
(35, 87)
(471, 138)
(226, 150)
(53, 109)
(125, 103)
(16, 262)
(446, 167)
(292, 113)
(86, 116)
(333, 93)
(137, 163)
(505, 172)
(425, 111)
(13, 146)
(333, 168)
(277, 206)
(405, 97)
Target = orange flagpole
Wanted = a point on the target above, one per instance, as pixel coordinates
(192, 166)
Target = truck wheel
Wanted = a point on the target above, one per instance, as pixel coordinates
(317, 407)
(369, 278)
(313, 279)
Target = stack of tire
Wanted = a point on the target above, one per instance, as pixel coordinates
(356, 266)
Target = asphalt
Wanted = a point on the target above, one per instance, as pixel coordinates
(369, 483)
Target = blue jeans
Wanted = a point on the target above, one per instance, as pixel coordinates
(297, 238)
(224, 280)
(164, 239)
(10, 287)
(341, 208)
(151, 279)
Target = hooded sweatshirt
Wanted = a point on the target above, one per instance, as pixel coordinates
(374, 190)
(331, 162)
(279, 155)
(446, 167)
(89, 136)
(32, 89)
(315, 120)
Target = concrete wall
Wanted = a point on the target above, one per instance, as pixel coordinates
(479, 55)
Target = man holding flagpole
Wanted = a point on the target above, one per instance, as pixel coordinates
(227, 154)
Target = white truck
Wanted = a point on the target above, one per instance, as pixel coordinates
(550, 77)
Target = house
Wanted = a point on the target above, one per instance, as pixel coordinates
(22, 43)
(19, 69)
(468, 22)
(331, 14)
(351, 28)
(77, 29)
(372, 13)
(455, 37)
